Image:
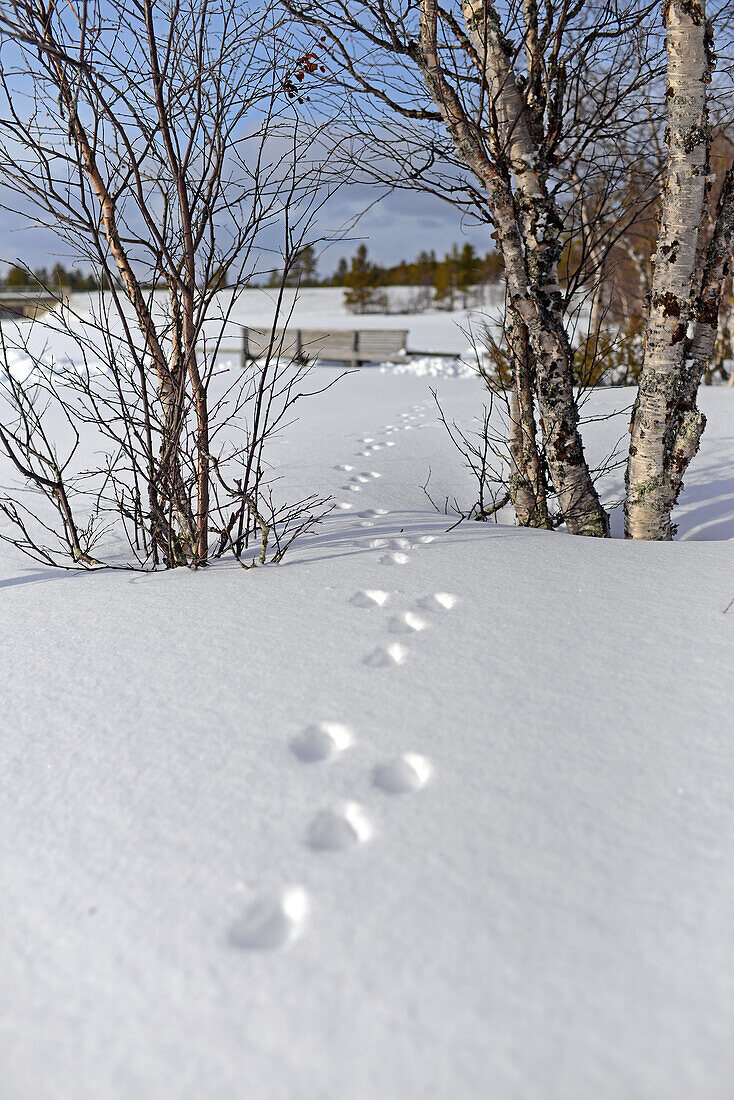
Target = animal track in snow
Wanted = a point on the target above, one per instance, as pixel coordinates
(370, 513)
(395, 558)
(377, 544)
(365, 476)
(425, 539)
(344, 468)
(439, 601)
(271, 921)
(352, 488)
(344, 505)
(321, 741)
(409, 772)
(406, 623)
(390, 443)
(394, 654)
(339, 828)
(370, 597)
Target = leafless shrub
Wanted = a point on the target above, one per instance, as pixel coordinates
(155, 141)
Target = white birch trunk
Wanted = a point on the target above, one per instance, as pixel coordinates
(690, 421)
(526, 485)
(651, 481)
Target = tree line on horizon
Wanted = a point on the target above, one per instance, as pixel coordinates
(446, 282)
(58, 278)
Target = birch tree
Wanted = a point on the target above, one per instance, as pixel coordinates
(686, 291)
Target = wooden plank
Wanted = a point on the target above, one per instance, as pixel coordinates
(379, 343)
(316, 343)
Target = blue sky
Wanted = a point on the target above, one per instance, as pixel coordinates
(402, 225)
(399, 227)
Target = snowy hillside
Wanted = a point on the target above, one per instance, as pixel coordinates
(418, 813)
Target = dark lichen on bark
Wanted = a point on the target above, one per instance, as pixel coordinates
(669, 304)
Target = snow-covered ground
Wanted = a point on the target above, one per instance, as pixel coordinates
(419, 813)
(434, 330)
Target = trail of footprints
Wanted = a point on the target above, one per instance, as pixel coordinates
(275, 919)
(407, 623)
(370, 446)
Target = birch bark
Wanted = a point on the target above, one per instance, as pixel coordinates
(690, 421)
(527, 484)
(652, 478)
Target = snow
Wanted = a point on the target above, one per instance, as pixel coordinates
(426, 811)
(432, 366)
(434, 330)
(323, 308)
